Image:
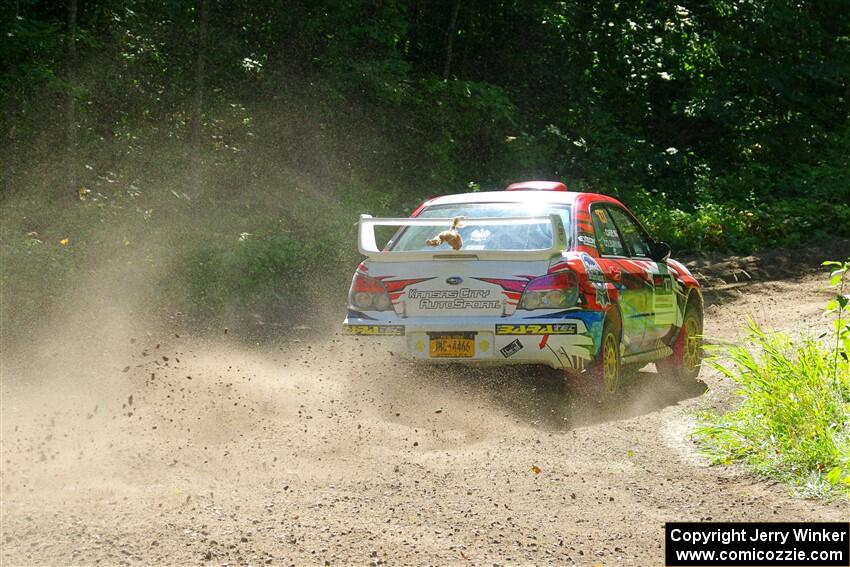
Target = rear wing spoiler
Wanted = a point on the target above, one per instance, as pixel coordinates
(369, 247)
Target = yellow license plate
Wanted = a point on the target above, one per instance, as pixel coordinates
(452, 346)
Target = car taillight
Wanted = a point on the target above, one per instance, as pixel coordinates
(368, 294)
(554, 291)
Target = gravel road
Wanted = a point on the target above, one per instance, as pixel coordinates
(168, 448)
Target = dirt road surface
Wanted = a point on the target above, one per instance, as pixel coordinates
(147, 447)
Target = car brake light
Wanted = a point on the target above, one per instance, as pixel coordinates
(553, 291)
(368, 294)
(536, 186)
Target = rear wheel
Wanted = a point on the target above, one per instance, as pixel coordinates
(685, 362)
(607, 371)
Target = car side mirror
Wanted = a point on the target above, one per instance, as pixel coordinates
(660, 251)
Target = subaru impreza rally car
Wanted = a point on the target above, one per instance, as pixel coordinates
(542, 276)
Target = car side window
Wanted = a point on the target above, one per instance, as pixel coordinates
(608, 240)
(635, 238)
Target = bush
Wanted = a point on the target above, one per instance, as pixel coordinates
(794, 419)
(741, 227)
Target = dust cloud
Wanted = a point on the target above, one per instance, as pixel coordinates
(128, 439)
(135, 432)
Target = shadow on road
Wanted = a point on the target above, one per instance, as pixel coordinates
(541, 398)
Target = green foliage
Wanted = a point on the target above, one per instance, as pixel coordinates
(838, 308)
(736, 105)
(741, 227)
(283, 267)
(724, 125)
(266, 269)
(793, 422)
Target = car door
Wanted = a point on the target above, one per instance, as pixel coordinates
(662, 304)
(630, 278)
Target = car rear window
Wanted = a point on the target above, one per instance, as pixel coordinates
(482, 237)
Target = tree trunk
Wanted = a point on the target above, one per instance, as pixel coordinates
(10, 156)
(198, 106)
(71, 106)
(450, 40)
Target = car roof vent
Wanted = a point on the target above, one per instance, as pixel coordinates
(536, 186)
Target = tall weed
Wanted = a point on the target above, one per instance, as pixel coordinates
(793, 422)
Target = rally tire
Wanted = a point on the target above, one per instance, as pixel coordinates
(605, 377)
(685, 362)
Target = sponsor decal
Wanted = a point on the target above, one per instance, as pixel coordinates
(596, 278)
(374, 330)
(612, 244)
(587, 240)
(570, 361)
(602, 295)
(663, 281)
(594, 272)
(537, 329)
(463, 298)
(511, 349)
(480, 234)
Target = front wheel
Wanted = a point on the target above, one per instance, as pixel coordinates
(685, 362)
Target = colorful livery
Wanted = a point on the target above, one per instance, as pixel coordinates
(542, 276)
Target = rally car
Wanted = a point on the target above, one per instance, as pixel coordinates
(534, 274)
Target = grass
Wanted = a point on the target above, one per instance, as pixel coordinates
(793, 421)
(277, 254)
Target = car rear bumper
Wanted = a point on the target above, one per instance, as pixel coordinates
(567, 341)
